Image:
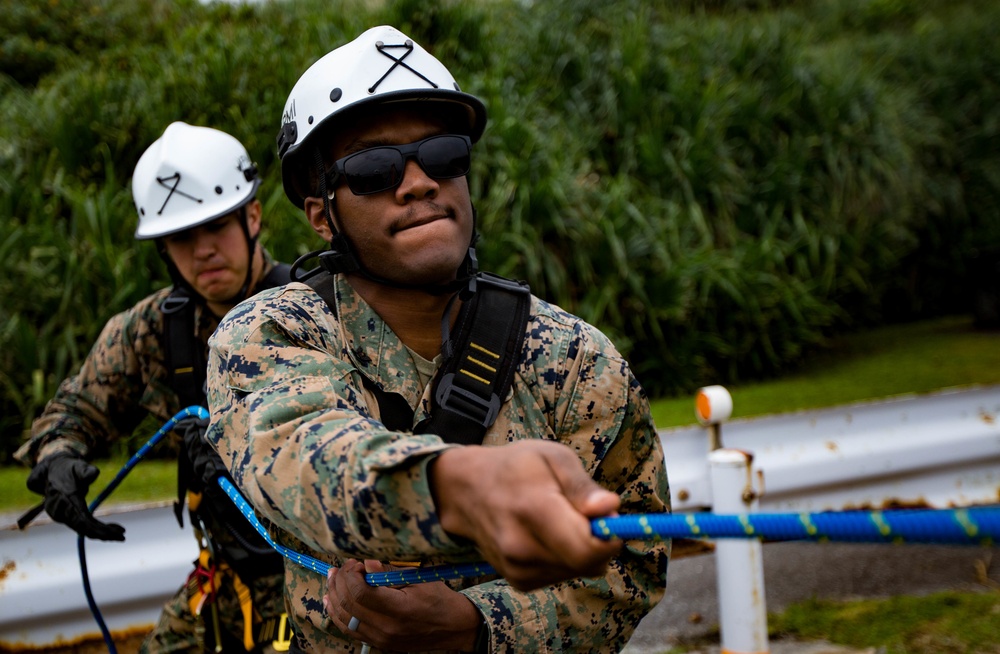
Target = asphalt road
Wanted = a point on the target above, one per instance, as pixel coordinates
(798, 571)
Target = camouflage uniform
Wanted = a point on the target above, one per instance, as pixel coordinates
(123, 379)
(302, 438)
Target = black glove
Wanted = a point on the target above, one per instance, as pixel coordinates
(205, 462)
(63, 479)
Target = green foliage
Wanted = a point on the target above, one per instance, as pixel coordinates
(949, 621)
(720, 186)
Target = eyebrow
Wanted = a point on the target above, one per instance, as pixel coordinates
(364, 144)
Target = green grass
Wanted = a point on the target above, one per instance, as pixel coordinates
(950, 621)
(912, 358)
(149, 481)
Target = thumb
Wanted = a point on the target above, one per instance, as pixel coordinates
(85, 473)
(600, 502)
(583, 493)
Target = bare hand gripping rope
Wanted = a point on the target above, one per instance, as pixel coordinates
(955, 526)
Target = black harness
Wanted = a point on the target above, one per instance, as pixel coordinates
(185, 355)
(480, 356)
(244, 549)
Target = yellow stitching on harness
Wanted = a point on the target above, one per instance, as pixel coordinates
(482, 364)
(476, 377)
(484, 350)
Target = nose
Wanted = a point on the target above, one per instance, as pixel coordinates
(203, 243)
(416, 184)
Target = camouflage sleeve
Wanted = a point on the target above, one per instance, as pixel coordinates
(96, 406)
(608, 417)
(290, 421)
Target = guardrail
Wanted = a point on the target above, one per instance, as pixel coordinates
(42, 602)
(937, 450)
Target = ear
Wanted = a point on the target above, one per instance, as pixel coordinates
(316, 215)
(254, 212)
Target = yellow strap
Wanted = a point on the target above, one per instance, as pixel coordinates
(198, 594)
(194, 500)
(284, 640)
(246, 605)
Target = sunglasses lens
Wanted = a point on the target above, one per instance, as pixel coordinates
(374, 170)
(444, 157)
(381, 168)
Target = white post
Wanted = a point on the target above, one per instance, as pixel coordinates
(739, 566)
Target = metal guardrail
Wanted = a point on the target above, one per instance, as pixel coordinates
(41, 590)
(936, 450)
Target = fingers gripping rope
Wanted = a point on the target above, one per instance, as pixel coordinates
(960, 526)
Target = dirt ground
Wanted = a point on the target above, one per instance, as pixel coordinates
(126, 642)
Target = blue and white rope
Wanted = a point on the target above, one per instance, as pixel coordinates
(957, 526)
(405, 577)
(189, 412)
(946, 526)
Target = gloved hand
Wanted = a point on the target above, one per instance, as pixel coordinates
(63, 479)
(205, 462)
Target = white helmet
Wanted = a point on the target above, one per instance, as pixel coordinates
(382, 65)
(188, 177)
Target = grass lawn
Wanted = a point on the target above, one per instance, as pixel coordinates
(946, 622)
(912, 358)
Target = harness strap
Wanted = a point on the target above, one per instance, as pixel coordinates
(185, 353)
(185, 356)
(246, 607)
(279, 275)
(185, 360)
(481, 356)
(480, 360)
(206, 580)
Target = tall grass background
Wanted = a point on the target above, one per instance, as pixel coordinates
(721, 186)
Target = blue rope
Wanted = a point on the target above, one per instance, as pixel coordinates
(191, 411)
(947, 526)
(405, 577)
(961, 526)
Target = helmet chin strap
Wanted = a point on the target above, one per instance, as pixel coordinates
(341, 258)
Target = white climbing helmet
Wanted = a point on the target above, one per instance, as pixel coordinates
(382, 65)
(188, 177)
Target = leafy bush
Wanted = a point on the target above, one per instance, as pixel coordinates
(720, 186)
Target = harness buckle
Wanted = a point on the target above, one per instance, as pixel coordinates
(174, 302)
(458, 400)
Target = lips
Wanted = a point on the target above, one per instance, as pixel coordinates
(411, 222)
(208, 273)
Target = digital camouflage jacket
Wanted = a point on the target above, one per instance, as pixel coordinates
(122, 380)
(302, 438)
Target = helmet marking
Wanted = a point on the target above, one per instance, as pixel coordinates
(176, 179)
(408, 45)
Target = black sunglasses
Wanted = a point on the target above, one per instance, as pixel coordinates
(381, 168)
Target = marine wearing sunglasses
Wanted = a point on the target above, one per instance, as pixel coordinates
(381, 168)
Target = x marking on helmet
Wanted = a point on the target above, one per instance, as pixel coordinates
(408, 45)
(176, 179)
